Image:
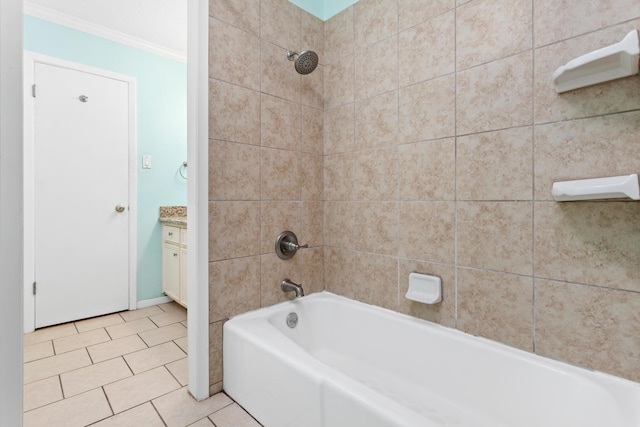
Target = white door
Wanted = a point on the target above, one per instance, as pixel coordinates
(81, 194)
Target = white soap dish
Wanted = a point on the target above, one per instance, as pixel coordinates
(614, 187)
(424, 288)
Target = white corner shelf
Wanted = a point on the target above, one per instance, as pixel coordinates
(609, 63)
(615, 187)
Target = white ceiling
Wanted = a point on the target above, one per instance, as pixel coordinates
(161, 22)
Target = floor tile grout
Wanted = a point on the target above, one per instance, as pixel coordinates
(160, 311)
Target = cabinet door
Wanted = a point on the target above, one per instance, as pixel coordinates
(171, 270)
(183, 276)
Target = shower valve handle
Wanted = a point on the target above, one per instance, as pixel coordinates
(287, 245)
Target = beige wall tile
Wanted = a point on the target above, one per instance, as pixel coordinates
(277, 217)
(130, 392)
(496, 236)
(427, 170)
(611, 97)
(555, 21)
(153, 357)
(426, 110)
(339, 82)
(244, 14)
(234, 172)
(38, 351)
(312, 223)
(180, 408)
(41, 393)
(376, 174)
(50, 333)
(589, 326)
(427, 231)
(233, 416)
(495, 165)
(94, 376)
(234, 287)
(281, 178)
(115, 348)
(65, 412)
(586, 148)
(427, 50)
(311, 269)
(377, 121)
(588, 242)
(413, 12)
(234, 229)
(492, 29)
(377, 68)
(234, 113)
(339, 224)
(215, 353)
(280, 23)
(312, 130)
(339, 129)
(313, 35)
(339, 271)
(374, 20)
(273, 271)
(143, 415)
(377, 227)
(279, 76)
(443, 312)
(496, 95)
(281, 122)
(164, 334)
(311, 176)
(510, 321)
(339, 38)
(225, 61)
(338, 176)
(376, 277)
(312, 90)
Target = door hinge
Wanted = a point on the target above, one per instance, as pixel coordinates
(34, 288)
(33, 90)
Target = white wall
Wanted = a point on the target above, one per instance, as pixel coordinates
(11, 213)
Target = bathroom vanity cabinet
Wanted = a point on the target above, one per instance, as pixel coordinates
(174, 262)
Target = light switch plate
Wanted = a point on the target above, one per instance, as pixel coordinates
(146, 161)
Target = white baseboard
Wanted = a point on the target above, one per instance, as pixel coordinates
(154, 301)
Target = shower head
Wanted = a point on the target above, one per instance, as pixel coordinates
(306, 61)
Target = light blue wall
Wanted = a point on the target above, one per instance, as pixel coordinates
(162, 127)
(323, 9)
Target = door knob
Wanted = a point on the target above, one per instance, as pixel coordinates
(120, 208)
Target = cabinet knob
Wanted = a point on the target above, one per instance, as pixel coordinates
(120, 208)
(175, 254)
(170, 233)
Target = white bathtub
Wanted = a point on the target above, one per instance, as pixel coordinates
(348, 364)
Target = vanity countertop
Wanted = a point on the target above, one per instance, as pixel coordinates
(173, 215)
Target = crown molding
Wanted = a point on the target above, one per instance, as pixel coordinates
(60, 18)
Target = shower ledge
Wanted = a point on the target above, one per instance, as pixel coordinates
(609, 63)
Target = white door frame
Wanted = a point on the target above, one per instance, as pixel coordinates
(11, 192)
(11, 212)
(198, 196)
(30, 59)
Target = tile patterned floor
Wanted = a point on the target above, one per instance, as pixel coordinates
(126, 369)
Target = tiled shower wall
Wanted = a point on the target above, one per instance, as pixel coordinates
(266, 158)
(441, 138)
(443, 135)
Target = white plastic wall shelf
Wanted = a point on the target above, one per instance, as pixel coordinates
(615, 187)
(602, 65)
